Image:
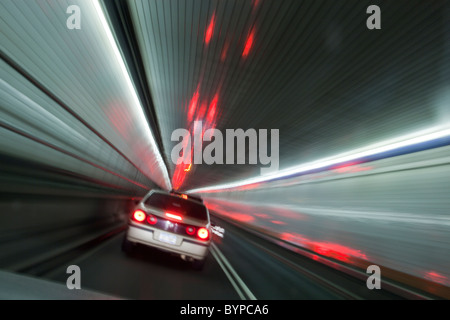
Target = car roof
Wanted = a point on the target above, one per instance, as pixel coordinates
(189, 196)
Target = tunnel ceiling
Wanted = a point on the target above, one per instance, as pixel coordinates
(311, 69)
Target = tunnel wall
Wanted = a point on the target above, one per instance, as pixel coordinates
(394, 212)
(64, 180)
(34, 128)
(38, 228)
(62, 183)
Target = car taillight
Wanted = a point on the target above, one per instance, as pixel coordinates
(139, 215)
(190, 231)
(203, 233)
(152, 220)
(173, 216)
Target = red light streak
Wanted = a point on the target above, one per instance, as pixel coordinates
(193, 105)
(181, 169)
(248, 44)
(328, 249)
(436, 277)
(210, 29)
(202, 111)
(226, 46)
(212, 110)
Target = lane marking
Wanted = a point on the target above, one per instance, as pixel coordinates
(231, 273)
(233, 283)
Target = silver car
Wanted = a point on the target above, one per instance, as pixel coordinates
(173, 223)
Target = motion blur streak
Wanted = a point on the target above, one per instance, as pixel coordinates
(248, 43)
(210, 30)
(137, 105)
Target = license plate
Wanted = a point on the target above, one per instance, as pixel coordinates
(167, 238)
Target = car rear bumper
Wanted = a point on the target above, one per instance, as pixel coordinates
(149, 236)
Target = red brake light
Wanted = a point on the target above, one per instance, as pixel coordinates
(190, 230)
(173, 216)
(152, 219)
(139, 215)
(203, 233)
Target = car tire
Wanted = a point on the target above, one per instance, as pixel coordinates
(127, 246)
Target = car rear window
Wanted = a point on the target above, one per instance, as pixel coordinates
(177, 205)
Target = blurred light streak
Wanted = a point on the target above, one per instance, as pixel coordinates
(294, 238)
(182, 168)
(240, 217)
(374, 149)
(212, 110)
(248, 43)
(346, 166)
(224, 53)
(278, 222)
(193, 105)
(137, 107)
(210, 29)
(328, 249)
(436, 277)
(202, 111)
(336, 251)
(207, 115)
(178, 177)
(255, 3)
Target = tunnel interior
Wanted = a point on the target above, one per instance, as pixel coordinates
(300, 125)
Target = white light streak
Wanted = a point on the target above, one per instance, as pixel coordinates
(374, 149)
